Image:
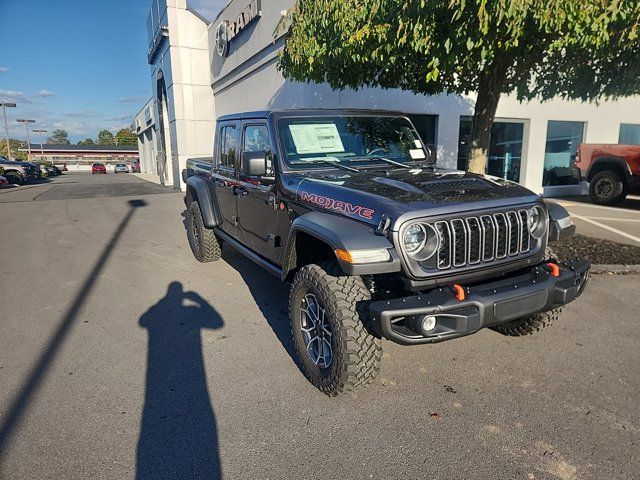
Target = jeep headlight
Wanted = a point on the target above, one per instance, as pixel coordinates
(420, 241)
(536, 221)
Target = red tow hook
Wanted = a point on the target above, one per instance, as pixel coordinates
(460, 295)
(554, 269)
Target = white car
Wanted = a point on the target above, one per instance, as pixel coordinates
(121, 168)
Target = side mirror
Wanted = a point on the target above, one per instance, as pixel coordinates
(254, 164)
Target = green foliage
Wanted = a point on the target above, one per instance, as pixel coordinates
(59, 137)
(105, 137)
(570, 48)
(15, 144)
(126, 136)
(534, 48)
(86, 141)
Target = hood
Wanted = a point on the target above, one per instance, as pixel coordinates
(371, 194)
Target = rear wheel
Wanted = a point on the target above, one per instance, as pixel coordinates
(202, 240)
(607, 188)
(328, 314)
(14, 178)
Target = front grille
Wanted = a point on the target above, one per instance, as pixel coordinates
(473, 240)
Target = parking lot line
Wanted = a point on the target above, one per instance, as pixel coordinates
(612, 219)
(602, 207)
(607, 227)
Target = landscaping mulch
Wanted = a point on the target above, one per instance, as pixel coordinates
(598, 251)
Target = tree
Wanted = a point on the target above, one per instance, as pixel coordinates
(15, 144)
(105, 137)
(86, 141)
(59, 137)
(533, 48)
(126, 136)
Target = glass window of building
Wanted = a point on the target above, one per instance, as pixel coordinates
(427, 127)
(563, 139)
(629, 134)
(505, 148)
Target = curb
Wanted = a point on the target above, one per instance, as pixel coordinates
(615, 269)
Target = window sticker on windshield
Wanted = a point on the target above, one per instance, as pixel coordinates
(417, 153)
(316, 138)
(417, 143)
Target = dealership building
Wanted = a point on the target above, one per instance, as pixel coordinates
(201, 69)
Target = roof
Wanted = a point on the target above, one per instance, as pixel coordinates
(307, 112)
(53, 147)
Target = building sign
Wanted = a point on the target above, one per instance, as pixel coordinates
(226, 31)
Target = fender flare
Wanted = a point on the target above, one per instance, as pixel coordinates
(341, 233)
(617, 161)
(560, 224)
(198, 190)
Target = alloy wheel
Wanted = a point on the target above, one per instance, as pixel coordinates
(316, 331)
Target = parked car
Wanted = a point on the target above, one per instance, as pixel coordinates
(611, 170)
(98, 168)
(19, 173)
(121, 168)
(135, 166)
(349, 209)
(61, 167)
(51, 172)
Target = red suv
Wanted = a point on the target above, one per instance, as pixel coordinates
(98, 168)
(611, 170)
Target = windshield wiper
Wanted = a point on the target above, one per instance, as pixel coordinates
(328, 163)
(392, 162)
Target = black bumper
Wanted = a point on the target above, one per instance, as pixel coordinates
(484, 305)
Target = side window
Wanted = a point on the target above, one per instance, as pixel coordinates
(256, 139)
(229, 146)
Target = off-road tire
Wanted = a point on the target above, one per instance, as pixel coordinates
(207, 249)
(356, 353)
(617, 194)
(529, 325)
(14, 178)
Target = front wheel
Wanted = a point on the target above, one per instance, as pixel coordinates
(607, 188)
(529, 325)
(14, 178)
(328, 314)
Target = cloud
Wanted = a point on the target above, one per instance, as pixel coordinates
(4, 69)
(46, 93)
(133, 100)
(14, 96)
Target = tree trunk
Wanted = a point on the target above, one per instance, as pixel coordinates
(483, 116)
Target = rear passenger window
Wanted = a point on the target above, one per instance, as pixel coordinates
(229, 146)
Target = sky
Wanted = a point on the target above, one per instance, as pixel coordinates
(78, 65)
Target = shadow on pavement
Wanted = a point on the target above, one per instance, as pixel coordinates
(178, 435)
(20, 404)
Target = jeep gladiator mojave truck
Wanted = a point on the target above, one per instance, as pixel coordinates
(374, 240)
(611, 170)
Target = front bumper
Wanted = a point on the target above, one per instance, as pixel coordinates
(484, 305)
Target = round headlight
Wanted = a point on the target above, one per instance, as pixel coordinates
(536, 221)
(420, 241)
(414, 237)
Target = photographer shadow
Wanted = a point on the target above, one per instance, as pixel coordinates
(178, 436)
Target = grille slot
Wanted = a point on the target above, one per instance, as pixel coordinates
(473, 240)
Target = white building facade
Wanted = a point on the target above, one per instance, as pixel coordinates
(200, 70)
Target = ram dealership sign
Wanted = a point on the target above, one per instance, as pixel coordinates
(227, 31)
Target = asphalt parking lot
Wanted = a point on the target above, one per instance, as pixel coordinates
(121, 357)
(620, 223)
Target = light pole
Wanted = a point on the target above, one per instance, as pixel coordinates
(26, 125)
(6, 127)
(41, 137)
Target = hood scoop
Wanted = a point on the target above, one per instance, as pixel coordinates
(455, 184)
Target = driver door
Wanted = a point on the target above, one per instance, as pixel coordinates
(257, 204)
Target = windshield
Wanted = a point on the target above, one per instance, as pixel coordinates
(348, 140)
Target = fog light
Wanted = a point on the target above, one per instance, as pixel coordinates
(428, 323)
